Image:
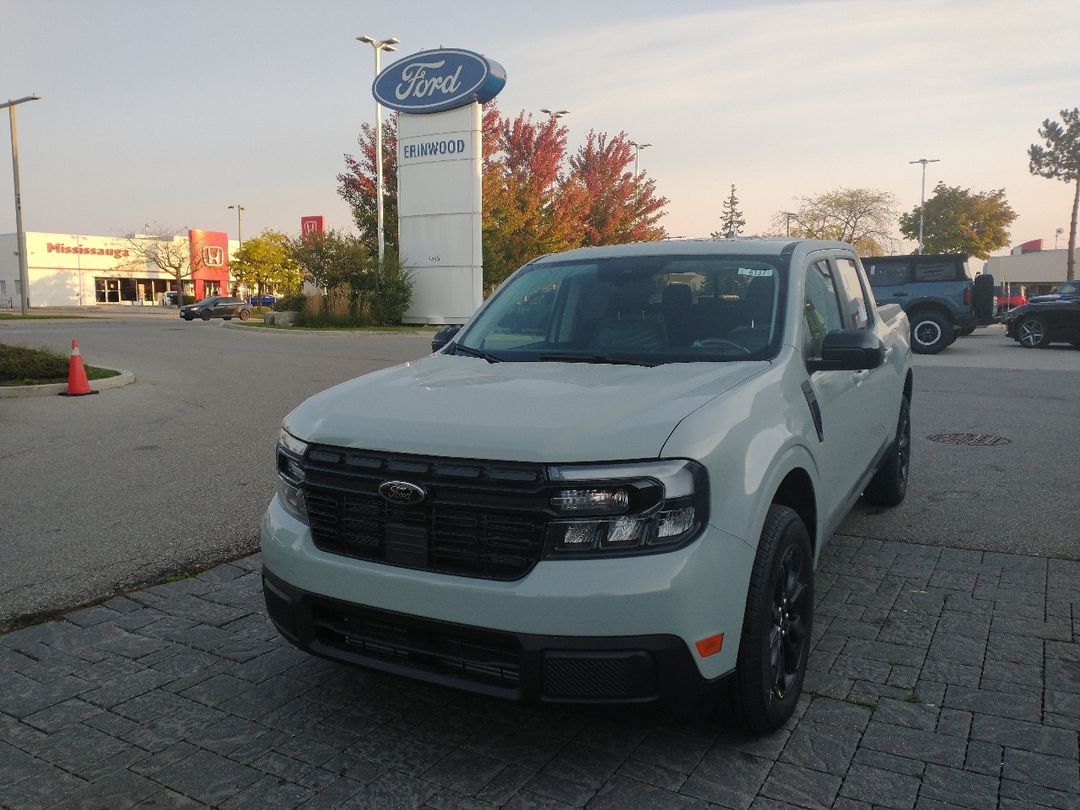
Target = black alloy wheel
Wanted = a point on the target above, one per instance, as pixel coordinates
(889, 484)
(930, 333)
(1031, 333)
(775, 643)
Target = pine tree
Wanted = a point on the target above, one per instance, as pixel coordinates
(732, 221)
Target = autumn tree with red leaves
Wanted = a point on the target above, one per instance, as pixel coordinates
(535, 200)
(619, 206)
(357, 187)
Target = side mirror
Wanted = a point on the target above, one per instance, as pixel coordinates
(443, 336)
(849, 350)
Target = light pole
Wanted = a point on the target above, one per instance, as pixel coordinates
(379, 45)
(239, 233)
(24, 272)
(922, 195)
(554, 113)
(787, 221)
(637, 149)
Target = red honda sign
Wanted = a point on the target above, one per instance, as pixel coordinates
(209, 261)
(312, 225)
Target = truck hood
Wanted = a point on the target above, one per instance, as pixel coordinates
(464, 407)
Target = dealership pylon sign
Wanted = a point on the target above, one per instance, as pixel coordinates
(440, 166)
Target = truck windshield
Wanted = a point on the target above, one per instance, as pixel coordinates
(645, 310)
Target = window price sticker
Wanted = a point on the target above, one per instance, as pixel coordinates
(755, 272)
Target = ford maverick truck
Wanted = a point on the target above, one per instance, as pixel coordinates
(612, 485)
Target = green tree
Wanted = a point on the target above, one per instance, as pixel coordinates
(732, 220)
(1059, 159)
(860, 216)
(333, 259)
(267, 261)
(957, 221)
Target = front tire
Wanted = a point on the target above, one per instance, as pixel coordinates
(930, 333)
(205, 314)
(889, 484)
(1031, 333)
(775, 644)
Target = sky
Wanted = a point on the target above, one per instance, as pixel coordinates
(165, 113)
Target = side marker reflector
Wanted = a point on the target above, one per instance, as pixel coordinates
(710, 646)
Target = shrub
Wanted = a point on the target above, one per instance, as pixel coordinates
(392, 297)
(290, 303)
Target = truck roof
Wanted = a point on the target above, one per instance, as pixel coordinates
(673, 247)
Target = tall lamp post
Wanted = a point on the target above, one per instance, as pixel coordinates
(637, 149)
(922, 195)
(24, 272)
(555, 116)
(379, 45)
(239, 232)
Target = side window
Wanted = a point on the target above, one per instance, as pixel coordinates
(936, 271)
(856, 307)
(886, 274)
(821, 308)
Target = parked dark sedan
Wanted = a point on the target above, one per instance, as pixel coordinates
(221, 306)
(1035, 326)
(1066, 291)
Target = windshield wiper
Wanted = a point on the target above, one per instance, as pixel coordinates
(566, 357)
(471, 352)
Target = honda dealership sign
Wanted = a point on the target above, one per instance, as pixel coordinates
(440, 161)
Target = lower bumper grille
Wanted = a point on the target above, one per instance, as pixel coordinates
(481, 657)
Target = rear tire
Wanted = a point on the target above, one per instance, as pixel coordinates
(889, 484)
(245, 314)
(768, 679)
(930, 332)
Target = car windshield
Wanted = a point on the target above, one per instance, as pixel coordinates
(1067, 288)
(646, 310)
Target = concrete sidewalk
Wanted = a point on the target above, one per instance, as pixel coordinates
(940, 678)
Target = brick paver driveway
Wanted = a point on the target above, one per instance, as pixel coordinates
(940, 678)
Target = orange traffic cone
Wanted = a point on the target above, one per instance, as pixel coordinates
(78, 385)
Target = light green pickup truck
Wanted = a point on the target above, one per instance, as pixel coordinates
(612, 485)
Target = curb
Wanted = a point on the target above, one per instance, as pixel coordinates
(52, 389)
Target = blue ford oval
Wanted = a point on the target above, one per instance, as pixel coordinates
(443, 79)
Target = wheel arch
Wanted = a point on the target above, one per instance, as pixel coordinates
(796, 492)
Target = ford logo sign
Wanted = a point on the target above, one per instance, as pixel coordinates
(433, 81)
(402, 493)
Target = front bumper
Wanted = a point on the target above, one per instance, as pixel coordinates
(512, 666)
(619, 630)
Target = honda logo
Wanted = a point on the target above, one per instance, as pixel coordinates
(213, 256)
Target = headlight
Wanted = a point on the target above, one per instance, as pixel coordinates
(290, 470)
(634, 508)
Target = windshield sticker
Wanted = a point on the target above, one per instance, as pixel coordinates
(756, 272)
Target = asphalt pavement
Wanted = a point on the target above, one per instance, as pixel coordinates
(945, 670)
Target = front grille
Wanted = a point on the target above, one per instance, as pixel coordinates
(479, 519)
(478, 656)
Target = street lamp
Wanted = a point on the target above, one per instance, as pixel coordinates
(787, 221)
(239, 233)
(922, 196)
(637, 148)
(24, 272)
(1057, 235)
(554, 113)
(379, 45)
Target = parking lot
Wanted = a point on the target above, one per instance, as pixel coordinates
(945, 670)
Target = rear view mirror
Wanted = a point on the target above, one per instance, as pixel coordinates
(849, 350)
(443, 336)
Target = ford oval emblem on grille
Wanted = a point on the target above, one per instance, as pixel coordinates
(402, 492)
